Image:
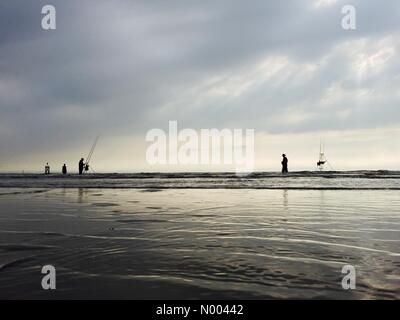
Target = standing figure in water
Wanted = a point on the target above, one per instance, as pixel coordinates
(64, 169)
(81, 166)
(47, 168)
(284, 164)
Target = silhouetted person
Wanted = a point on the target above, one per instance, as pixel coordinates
(81, 166)
(284, 164)
(64, 169)
(47, 169)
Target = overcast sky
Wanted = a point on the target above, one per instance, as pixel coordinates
(120, 68)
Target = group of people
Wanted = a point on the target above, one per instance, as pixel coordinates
(82, 166)
(85, 166)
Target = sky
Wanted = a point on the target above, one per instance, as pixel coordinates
(286, 69)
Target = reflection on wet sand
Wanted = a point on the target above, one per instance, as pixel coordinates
(118, 243)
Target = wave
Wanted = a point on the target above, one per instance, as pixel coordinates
(152, 182)
(370, 174)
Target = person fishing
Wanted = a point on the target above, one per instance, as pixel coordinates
(81, 166)
(47, 169)
(84, 166)
(284, 164)
(64, 169)
(320, 163)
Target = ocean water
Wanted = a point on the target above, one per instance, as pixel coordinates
(201, 236)
(384, 180)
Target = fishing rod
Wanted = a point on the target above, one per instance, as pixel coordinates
(330, 165)
(89, 157)
(322, 159)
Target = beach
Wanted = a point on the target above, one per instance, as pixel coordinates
(193, 238)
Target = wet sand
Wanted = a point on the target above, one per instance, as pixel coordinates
(199, 244)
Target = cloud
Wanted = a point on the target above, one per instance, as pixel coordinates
(121, 68)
